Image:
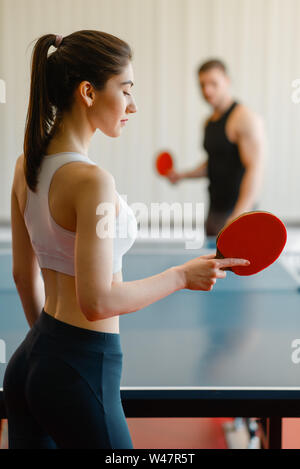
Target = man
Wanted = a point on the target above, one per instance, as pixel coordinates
(234, 141)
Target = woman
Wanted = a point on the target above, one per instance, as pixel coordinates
(62, 385)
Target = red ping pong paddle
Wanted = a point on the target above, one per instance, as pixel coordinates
(256, 236)
(164, 163)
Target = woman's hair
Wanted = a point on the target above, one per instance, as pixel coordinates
(88, 55)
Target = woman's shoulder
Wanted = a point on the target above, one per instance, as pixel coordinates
(86, 172)
(19, 175)
(91, 180)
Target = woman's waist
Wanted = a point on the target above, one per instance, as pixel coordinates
(71, 314)
(66, 335)
(108, 325)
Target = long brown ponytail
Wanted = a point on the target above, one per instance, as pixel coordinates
(83, 55)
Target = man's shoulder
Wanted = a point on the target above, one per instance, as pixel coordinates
(241, 111)
(206, 120)
(243, 116)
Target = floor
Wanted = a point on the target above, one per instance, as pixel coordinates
(177, 433)
(206, 433)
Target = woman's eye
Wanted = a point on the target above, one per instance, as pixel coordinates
(127, 94)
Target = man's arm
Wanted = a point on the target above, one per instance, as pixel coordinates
(251, 144)
(199, 172)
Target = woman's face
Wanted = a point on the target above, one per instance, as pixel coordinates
(112, 106)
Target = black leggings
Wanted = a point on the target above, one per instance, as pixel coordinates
(62, 389)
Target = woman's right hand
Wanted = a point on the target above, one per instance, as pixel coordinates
(202, 272)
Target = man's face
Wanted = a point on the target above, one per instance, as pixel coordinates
(214, 84)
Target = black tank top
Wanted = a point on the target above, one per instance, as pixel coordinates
(225, 169)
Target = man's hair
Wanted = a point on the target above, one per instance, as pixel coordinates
(213, 63)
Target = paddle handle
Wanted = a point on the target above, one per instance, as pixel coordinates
(219, 255)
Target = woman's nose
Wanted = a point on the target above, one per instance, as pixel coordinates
(132, 107)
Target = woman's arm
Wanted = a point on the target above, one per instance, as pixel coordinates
(25, 270)
(32, 297)
(98, 296)
(128, 297)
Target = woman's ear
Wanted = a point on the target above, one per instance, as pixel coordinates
(87, 93)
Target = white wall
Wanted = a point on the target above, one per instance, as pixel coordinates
(257, 38)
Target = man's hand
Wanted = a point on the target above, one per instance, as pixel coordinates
(174, 176)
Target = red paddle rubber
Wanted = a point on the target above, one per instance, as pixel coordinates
(164, 163)
(256, 236)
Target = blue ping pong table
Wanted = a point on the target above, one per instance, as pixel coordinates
(225, 353)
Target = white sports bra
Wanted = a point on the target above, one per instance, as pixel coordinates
(53, 244)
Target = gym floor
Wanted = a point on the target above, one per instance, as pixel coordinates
(206, 433)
